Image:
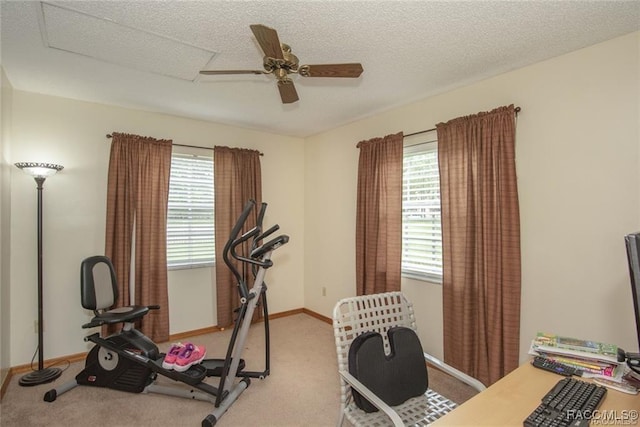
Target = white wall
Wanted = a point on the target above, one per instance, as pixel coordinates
(5, 223)
(72, 133)
(577, 161)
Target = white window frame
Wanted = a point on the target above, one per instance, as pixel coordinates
(430, 271)
(190, 213)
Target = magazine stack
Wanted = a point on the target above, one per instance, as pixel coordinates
(594, 359)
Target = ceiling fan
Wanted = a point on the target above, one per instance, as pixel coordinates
(279, 61)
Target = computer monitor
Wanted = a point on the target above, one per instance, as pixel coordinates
(633, 255)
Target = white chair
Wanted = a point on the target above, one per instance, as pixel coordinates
(377, 313)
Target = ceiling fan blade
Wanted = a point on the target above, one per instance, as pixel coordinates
(269, 41)
(287, 91)
(352, 70)
(221, 72)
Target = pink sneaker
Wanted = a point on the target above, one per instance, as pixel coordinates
(170, 359)
(190, 355)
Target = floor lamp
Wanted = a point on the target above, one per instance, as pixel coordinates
(40, 172)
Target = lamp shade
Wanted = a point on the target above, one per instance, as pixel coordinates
(39, 170)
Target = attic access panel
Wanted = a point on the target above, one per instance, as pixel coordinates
(106, 40)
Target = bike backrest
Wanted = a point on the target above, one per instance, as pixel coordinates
(98, 284)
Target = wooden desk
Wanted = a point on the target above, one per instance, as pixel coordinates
(509, 401)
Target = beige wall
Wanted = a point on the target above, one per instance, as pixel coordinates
(577, 161)
(5, 224)
(72, 133)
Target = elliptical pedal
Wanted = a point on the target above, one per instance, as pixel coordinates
(215, 367)
(192, 376)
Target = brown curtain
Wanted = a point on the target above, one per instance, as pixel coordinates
(237, 179)
(379, 215)
(481, 243)
(137, 193)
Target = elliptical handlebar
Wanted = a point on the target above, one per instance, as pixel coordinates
(254, 232)
(266, 234)
(232, 238)
(270, 246)
(254, 257)
(263, 209)
(242, 219)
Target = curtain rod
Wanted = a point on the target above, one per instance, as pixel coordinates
(517, 110)
(109, 136)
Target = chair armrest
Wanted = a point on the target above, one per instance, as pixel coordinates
(454, 372)
(375, 400)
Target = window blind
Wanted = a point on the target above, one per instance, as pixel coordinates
(421, 226)
(190, 216)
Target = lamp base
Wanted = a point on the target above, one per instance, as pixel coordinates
(40, 376)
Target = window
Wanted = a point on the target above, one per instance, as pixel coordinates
(421, 227)
(190, 220)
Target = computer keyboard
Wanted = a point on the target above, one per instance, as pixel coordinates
(570, 402)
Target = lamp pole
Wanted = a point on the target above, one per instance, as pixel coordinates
(40, 172)
(40, 182)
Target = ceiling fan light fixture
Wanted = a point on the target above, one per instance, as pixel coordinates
(282, 74)
(279, 60)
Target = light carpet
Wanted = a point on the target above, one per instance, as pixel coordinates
(302, 390)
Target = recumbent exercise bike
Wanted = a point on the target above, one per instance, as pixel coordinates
(130, 361)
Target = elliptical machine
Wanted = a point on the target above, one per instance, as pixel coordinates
(130, 361)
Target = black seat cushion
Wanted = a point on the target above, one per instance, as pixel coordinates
(394, 378)
(118, 315)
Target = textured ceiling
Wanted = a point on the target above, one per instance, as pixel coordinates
(146, 55)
